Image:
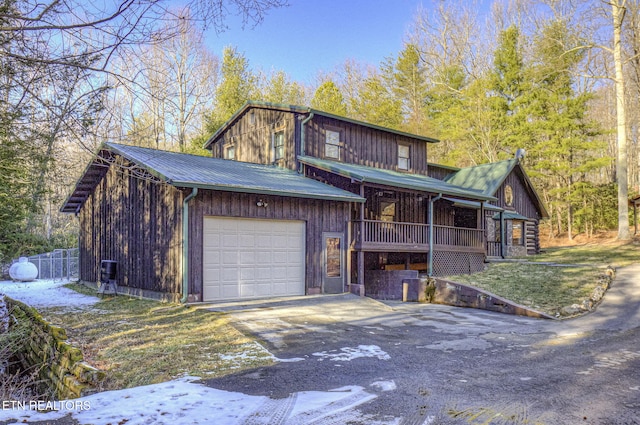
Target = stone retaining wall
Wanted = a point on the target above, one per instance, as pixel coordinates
(61, 366)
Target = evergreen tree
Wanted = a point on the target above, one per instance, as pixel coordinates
(237, 86)
(407, 78)
(278, 88)
(508, 85)
(328, 98)
(446, 110)
(564, 141)
(377, 105)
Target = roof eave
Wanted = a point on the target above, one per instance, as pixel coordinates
(374, 126)
(305, 110)
(128, 157)
(543, 210)
(261, 191)
(248, 105)
(364, 179)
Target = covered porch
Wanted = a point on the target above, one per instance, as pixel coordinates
(409, 222)
(381, 236)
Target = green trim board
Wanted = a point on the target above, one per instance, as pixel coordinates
(417, 182)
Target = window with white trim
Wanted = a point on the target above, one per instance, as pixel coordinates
(332, 144)
(230, 152)
(404, 161)
(278, 145)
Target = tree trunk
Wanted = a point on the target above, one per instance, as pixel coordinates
(618, 11)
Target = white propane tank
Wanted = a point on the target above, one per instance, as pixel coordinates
(23, 270)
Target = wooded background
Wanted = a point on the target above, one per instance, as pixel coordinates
(544, 76)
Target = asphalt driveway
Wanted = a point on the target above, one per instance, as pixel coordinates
(439, 364)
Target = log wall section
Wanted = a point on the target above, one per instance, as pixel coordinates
(138, 223)
(320, 216)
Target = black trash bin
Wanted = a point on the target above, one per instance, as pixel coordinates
(108, 281)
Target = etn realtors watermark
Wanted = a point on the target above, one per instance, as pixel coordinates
(58, 406)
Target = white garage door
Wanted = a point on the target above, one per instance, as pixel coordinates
(247, 258)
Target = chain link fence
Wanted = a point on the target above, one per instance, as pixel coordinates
(57, 265)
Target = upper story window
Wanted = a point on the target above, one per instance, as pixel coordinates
(404, 161)
(230, 152)
(278, 145)
(332, 144)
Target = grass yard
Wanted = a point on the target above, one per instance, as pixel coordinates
(548, 288)
(139, 342)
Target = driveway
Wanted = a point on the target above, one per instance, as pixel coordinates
(439, 364)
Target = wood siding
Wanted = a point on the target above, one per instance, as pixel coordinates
(522, 202)
(438, 172)
(320, 216)
(252, 134)
(137, 223)
(364, 145)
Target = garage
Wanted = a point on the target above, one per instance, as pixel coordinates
(252, 258)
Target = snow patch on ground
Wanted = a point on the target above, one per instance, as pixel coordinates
(384, 385)
(186, 401)
(46, 293)
(347, 354)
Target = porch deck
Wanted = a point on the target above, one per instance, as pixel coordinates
(374, 235)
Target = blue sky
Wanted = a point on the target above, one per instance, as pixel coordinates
(312, 36)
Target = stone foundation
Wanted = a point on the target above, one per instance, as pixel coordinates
(61, 367)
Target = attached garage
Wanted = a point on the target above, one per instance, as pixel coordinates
(251, 258)
(192, 229)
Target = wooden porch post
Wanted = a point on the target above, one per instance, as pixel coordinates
(483, 227)
(502, 233)
(360, 251)
(430, 256)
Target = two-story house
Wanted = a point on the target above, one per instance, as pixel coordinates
(294, 201)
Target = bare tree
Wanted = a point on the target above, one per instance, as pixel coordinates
(56, 60)
(618, 10)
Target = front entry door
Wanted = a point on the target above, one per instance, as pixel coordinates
(333, 263)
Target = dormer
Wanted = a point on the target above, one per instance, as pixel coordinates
(260, 133)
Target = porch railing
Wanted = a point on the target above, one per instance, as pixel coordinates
(383, 233)
(494, 249)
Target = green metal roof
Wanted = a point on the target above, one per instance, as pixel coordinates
(485, 178)
(306, 110)
(183, 170)
(510, 215)
(379, 176)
